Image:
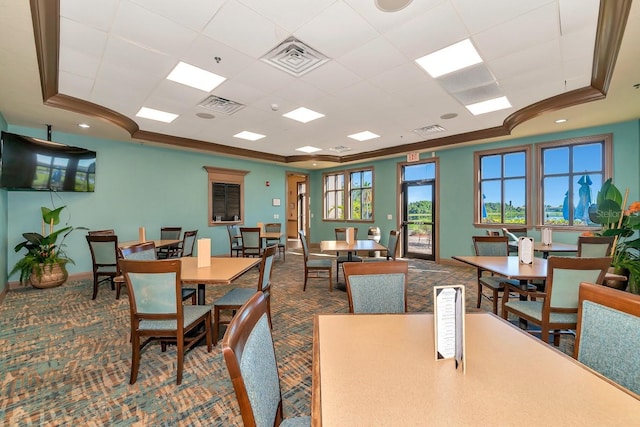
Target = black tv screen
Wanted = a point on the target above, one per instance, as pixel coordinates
(34, 164)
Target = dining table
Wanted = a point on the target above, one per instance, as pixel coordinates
(545, 250)
(350, 248)
(159, 243)
(381, 369)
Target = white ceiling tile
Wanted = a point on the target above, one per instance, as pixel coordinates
(74, 85)
(578, 15)
(82, 38)
(288, 14)
(578, 44)
(204, 51)
(174, 97)
(331, 77)
(78, 63)
(406, 76)
(482, 16)
(537, 57)
(299, 92)
(122, 53)
(372, 58)
(263, 76)
(194, 14)
(384, 21)
(97, 14)
(238, 92)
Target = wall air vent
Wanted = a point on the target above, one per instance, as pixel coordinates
(340, 149)
(294, 57)
(221, 105)
(425, 131)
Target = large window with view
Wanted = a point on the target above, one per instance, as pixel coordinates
(571, 174)
(348, 195)
(503, 182)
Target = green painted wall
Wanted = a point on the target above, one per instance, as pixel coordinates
(3, 226)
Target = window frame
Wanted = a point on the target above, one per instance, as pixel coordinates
(477, 194)
(224, 176)
(605, 139)
(346, 194)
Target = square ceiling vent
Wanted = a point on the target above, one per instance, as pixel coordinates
(221, 105)
(427, 130)
(294, 57)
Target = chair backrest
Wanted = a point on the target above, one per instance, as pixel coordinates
(250, 357)
(250, 237)
(170, 233)
(595, 246)
(564, 275)
(266, 268)
(377, 287)
(142, 252)
(305, 247)
(513, 233)
(341, 233)
(493, 233)
(155, 290)
(104, 250)
(607, 338)
(392, 245)
(490, 245)
(108, 232)
(273, 227)
(188, 241)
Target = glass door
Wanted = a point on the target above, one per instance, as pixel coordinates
(418, 211)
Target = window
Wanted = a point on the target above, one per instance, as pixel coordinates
(226, 195)
(353, 201)
(571, 174)
(502, 186)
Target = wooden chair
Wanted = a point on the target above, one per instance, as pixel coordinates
(392, 248)
(379, 287)
(491, 246)
(251, 241)
(158, 313)
(607, 338)
(235, 298)
(235, 242)
(171, 251)
(341, 234)
(313, 267)
(250, 357)
(513, 233)
(559, 308)
(276, 227)
(104, 260)
(185, 247)
(595, 246)
(108, 232)
(147, 252)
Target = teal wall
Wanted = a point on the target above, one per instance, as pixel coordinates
(3, 226)
(141, 185)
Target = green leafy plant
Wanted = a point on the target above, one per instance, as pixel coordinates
(43, 249)
(623, 224)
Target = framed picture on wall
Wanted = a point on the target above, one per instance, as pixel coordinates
(275, 202)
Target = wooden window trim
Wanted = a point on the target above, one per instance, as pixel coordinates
(224, 176)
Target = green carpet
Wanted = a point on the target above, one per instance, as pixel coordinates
(66, 359)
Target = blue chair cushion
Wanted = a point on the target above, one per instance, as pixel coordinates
(296, 422)
(319, 263)
(237, 296)
(534, 310)
(191, 314)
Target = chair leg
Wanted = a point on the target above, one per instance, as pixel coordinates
(479, 295)
(306, 276)
(118, 289)
(135, 357)
(180, 344)
(216, 324)
(330, 281)
(495, 301)
(95, 286)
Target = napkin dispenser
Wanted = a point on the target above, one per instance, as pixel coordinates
(525, 250)
(546, 236)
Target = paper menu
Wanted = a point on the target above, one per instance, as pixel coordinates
(204, 252)
(525, 250)
(350, 235)
(449, 303)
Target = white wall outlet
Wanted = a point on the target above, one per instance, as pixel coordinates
(389, 217)
(276, 216)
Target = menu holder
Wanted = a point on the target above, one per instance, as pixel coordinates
(260, 226)
(350, 235)
(448, 307)
(546, 236)
(525, 250)
(204, 252)
(142, 235)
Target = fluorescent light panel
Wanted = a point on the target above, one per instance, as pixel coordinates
(249, 135)
(308, 149)
(450, 59)
(364, 136)
(195, 77)
(303, 115)
(489, 106)
(160, 116)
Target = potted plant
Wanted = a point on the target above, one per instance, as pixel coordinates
(623, 224)
(44, 264)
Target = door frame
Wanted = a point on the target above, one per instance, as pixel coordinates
(292, 198)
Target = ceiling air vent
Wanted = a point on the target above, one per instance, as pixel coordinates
(294, 57)
(340, 149)
(425, 131)
(221, 105)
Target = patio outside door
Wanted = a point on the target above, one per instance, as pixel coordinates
(418, 211)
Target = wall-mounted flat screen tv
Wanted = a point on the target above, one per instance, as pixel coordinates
(34, 164)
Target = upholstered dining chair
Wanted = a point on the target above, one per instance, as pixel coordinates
(235, 298)
(276, 227)
(185, 247)
(392, 248)
(595, 246)
(607, 338)
(314, 267)
(250, 357)
(379, 287)
(514, 233)
(251, 241)
(157, 312)
(235, 241)
(557, 307)
(107, 232)
(104, 260)
(491, 246)
(147, 252)
(341, 234)
(170, 251)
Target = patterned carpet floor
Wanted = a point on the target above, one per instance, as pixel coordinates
(65, 359)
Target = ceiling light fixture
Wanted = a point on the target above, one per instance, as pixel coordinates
(249, 135)
(560, 121)
(195, 77)
(489, 106)
(451, 58)
(364, 136)
(83, 125)
(392, 5)
(303, 115)
(308, 149)
(160, 116)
